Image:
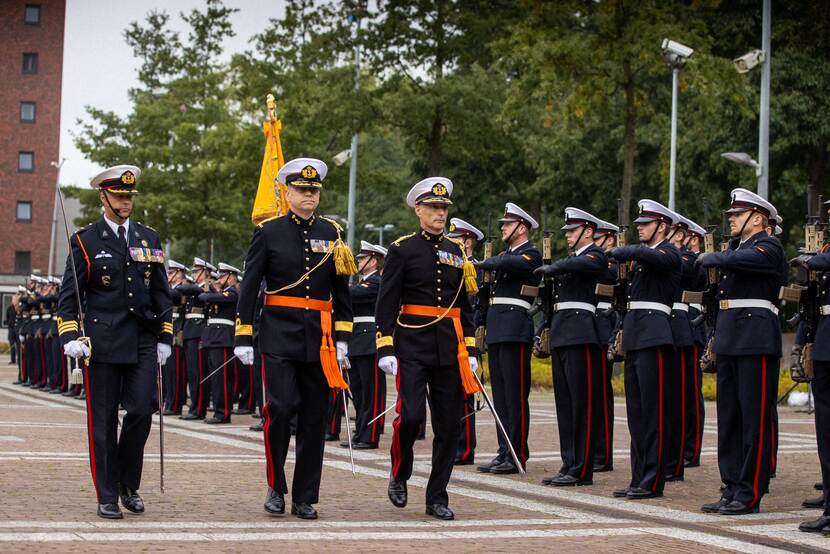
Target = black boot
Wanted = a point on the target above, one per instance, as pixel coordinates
(397, 492)
(130, 500)
(274, 502)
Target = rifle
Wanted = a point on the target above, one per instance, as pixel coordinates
(708, 299)
(618, 292)
(484, 290)
(544, 299)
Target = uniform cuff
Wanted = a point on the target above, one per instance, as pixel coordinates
(244, 340)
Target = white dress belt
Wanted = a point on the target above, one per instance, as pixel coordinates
(698, 307)
(574, 306)
(603, 306)
(680, 306)
(511, 301)
(194, 316)
(642, 305)
(34, 317)
(220, 321)
(46, 316)
(748, 303)
(363, 319)
(825, 310)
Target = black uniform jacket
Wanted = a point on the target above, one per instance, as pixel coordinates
(681, 326)
(511, 270)
(219, 305)
(607, 319)
(364, 297)
(577, 278)
(427, 270)
(124, 294)
(193, 326)
(655, 277)
(755, 269)
(821, 345)
(696, 283)
(282, 250)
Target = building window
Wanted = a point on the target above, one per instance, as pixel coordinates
(26, 162)
(28, 112)
(24, 212)
(32, 14)
(23, 261)
(30, 62)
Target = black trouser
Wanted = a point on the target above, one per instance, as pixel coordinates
(695, 413)
(372, 398)
(244, 385)
(256, 386)
(175, 383)
(36, 366)
(119, 459)
(335, 411)
(299, 389)
(510, 379)
(54, 355)
(13, 347)
(446, 399)
(747, 390)
(604, 437)
(677, 378)
(821, 397)
(645, 404)
(466, 450)
(221, 382)
(577, 387)
(196, 365)
(356, 386)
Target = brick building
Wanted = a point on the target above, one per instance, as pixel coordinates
(31, 39)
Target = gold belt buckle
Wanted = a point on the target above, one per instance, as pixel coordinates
(724, 304)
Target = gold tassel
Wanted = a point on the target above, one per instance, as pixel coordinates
(343, 259)
(470, 277)
(468, 382)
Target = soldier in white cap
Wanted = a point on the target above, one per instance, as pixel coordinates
(510, 333)
(175, 382)
(195, 320)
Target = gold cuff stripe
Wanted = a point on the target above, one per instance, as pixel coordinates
(380, 342)
(345, 326)
(246, 330)
(167, 328)
(470, 341)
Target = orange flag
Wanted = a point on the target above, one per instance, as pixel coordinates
(270, 195)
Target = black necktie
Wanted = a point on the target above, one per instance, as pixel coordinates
(122, 234)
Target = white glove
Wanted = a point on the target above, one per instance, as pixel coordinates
(76, 349)
(22, 338)
(163, 352)
(245, 354)
(473, 364)
(342, 351)
(389, 365)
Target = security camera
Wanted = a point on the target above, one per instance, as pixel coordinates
(342, 157)
(748, 61)
(679, 50)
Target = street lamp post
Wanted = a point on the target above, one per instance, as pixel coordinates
(51, 263)
(675, 55)
(380, 229)
(360, 9)
(763, 131)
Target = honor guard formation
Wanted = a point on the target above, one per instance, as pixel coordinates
(305, 328)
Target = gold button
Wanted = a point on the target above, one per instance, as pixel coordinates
(306, 267)
(128, 278)
(439, 271)
(129, 294)
(439, 298)
(438, 280)
(306, 258)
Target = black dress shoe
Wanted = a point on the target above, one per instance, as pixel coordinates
(819, 525)
(364, 446)
(602, 468)
(217, 420)
(256, 427)
(18, 382)
(714, 507)
(110, 511)
(191, 415)
(814, 503)
(397, 492)
(504, 468)
(549, 480)
(242, 411)
(274, 502)
(689, 463)
(621, 493)
(440, 511)
(56, 391)
(486, 467)
(463, 461)
(636, 493)
(670, 478)
(819, 486)
(169, 412)
(736, 508)
(303, 511)
(130, 499)
(570, 481)
(331, 437)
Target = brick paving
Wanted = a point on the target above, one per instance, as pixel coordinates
(215, 485)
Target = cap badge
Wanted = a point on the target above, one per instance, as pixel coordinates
(452, 228)
(439, 190)
(128, 178)
(309, 172)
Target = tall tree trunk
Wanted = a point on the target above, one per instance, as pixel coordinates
(629, 144)
(435, 138)
(817, 164)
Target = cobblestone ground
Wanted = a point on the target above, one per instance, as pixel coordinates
(215, 486)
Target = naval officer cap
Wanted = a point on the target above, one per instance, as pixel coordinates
(199, 263)
(303, 173)
(692, 227)
(54, 280)
(432, 190)
(655, 211)
(460, 228)
(744, 200)
(119, 179)
(605, 228)
(21, 288)
(227, 268)
(369, 249)
(173, 265)
(576, 218)
(209, 266)
(512, 212)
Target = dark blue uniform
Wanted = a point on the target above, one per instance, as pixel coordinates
(127, 311)
(175, 385)
(648, 344)
(195, 365)
(509, 339)
(748, 347)
(607, 322)
(466, 451)
(217, 348)
(695, 410)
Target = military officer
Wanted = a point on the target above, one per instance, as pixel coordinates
(469, 235)
(510, 334)
(175, 384)
(306, 265)
(127, 320)
(426, 339)
(648, 344)
(605, 238)
(218, 338)
(52, 346)
(748, 348)
(194, 326)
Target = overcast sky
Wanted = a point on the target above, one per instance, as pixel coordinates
(99, 67)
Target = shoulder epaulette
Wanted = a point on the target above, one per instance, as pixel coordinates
(264, 221)
(147, 227)
(399, 240)
(333, 223)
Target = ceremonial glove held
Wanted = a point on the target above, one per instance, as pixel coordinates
(76, 349)
(163, 352)
(342, 351)
(245, 354)
(389, 365)
(473, 364)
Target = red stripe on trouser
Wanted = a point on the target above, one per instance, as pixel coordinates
(682, 440)
(176, 373)
(698, 393)
(755, 495)
(608, 445)
(396, 432)
(334, 414)
(772, 444)
(42, 363)
(235, 379)
(375, 401)
(63, 371)
(225, 383)
(467, 438)
(90, 431)
(251, 388)
(659, 477)
(522, 400)
(199, 395)
(587, 461)
(269, 464)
